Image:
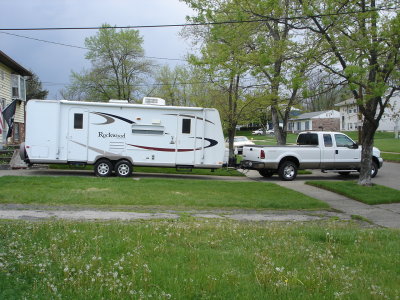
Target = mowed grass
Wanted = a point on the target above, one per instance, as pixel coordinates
(175, 193)
(375, 194)
(197, 259)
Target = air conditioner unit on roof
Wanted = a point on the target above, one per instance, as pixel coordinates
(153, 101)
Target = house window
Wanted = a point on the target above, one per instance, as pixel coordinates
(16, 132)
(78, 121)
(299, 126)
(148, 129)
(186, 125)
(18, 87)
(307, 125)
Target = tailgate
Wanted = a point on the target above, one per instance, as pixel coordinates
(252, 152)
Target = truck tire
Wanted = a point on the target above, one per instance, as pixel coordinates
(266, 173)
(123, 168)
(287, 170)
(103, 168)
(374, 169)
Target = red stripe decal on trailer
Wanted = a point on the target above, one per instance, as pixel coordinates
(164, 149)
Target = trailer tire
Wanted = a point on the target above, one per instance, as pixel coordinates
(287, 170)
(103, 168)
(123, 168)
(266, 173)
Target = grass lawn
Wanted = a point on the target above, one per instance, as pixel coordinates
(391, 157)
(217, 172)
(195, 259)
(376, 194)
(176, 193)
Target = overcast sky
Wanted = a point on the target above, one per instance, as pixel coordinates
(53, 63)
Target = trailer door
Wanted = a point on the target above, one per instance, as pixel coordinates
(186, 141)
(78, 131)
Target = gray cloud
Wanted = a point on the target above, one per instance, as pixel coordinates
(54, 63)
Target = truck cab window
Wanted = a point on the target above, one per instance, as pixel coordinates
(308, 139)
(343, 141)
(186, 126)
(328, 140)
(78, 121)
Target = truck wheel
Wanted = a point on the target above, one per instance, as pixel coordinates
(103, 168)
(374, 169)
(287, 170)
(123, 168)
(266, 173)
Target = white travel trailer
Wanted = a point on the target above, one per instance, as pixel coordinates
(116, 136)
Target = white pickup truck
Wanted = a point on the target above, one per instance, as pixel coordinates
(328, 151)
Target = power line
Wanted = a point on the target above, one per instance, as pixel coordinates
(204, 23)
(78, 47)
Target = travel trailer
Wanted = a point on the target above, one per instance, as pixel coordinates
(116, 136)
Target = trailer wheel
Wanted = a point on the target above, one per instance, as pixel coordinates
(103, 168)
(123, 168)
(266, 173)
(287, 170)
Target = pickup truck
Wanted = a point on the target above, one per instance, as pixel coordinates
(328, 151)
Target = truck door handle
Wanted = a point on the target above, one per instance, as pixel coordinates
(336, 151)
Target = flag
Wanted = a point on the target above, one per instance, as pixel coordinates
(8, 115)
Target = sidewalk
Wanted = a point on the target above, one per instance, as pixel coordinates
(386, 215)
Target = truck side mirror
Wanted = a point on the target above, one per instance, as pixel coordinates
(355, 146)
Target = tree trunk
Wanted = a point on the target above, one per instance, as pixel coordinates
(367, 144)
(279, 134)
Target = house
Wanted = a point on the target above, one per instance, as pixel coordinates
(328, 120)
(349, 117)
(12, 100)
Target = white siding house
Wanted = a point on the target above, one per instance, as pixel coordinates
(13, 88)
(349, 119)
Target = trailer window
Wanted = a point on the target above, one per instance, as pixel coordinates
(78, 121)
(186, 125)
(147, 129)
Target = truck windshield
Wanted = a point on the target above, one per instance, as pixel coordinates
(308, 139)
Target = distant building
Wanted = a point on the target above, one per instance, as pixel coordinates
(12, 95)
(328, 120)
(349, 119)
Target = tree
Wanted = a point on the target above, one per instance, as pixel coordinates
(34, 89)
(222, 59)
(118, 67)
(172, 85)
(279, 59)
(359, 43)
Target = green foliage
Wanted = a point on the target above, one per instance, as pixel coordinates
(34, 89)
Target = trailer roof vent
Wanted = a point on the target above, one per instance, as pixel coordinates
(118, 101)
(153, 101)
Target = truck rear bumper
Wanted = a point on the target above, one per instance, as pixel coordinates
(256, 165)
